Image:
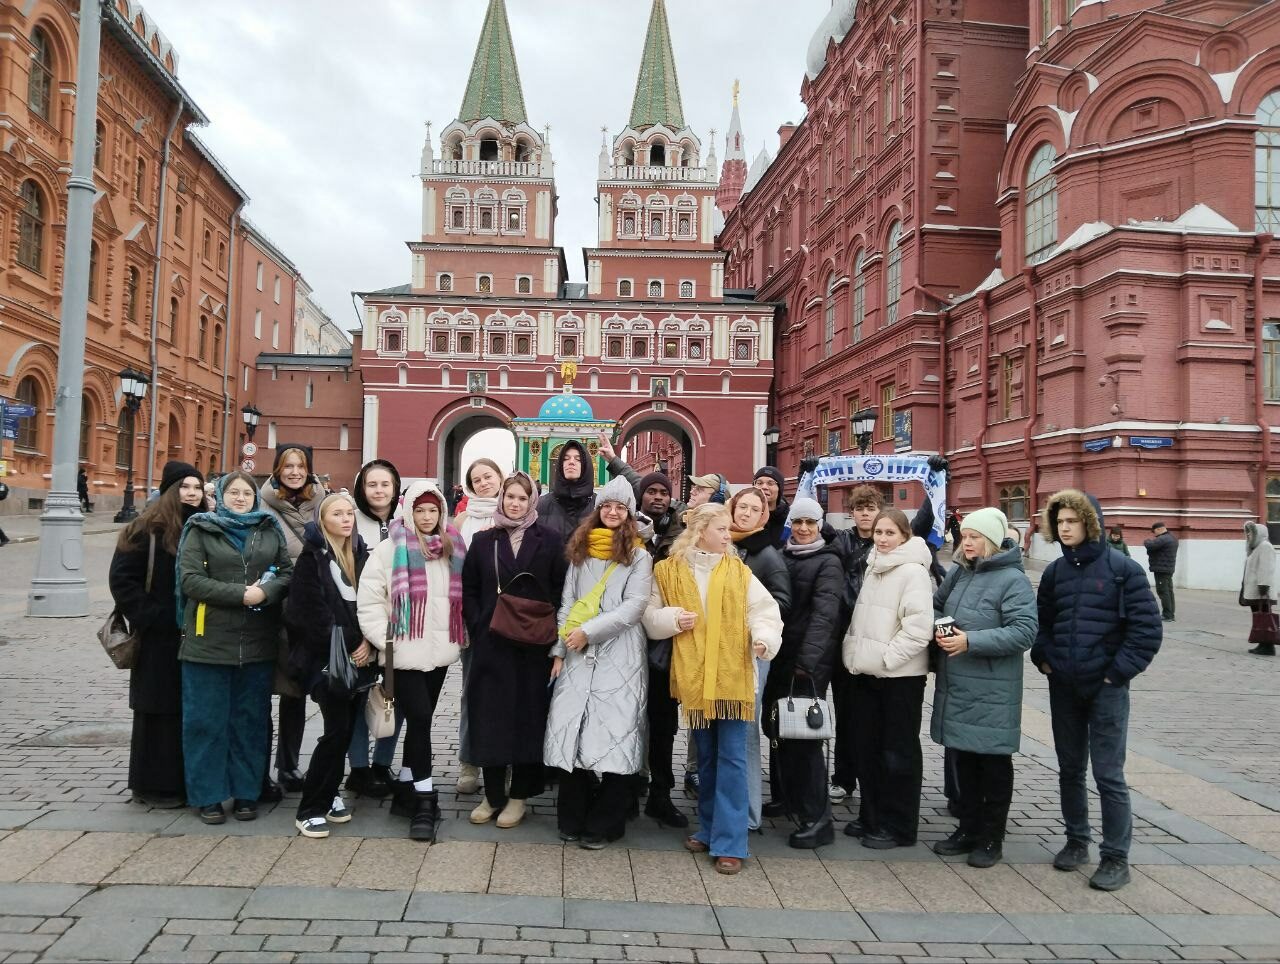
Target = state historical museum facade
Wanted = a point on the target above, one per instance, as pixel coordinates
(1037, 238)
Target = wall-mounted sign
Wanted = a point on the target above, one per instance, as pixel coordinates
(902, 431)
(1097, 444)
(1151, 441)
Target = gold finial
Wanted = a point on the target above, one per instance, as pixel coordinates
(568, 372)
(736, 88)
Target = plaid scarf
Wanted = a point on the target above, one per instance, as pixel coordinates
(409, 582)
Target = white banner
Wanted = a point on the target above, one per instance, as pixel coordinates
(839, 469)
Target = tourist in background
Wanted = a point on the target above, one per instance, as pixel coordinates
(1162, 559)
(601, 671)
(977, 703)
(322, 600)
(771, 482)
(410, 601)
(1115, 539)
(1258, 588)
(718, 616)
(886, 650)
(142, 582)
(507, 686)
(233, 575)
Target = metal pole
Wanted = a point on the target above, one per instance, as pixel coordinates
(127, 512)
(58, 587)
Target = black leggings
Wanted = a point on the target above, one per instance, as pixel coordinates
(985, 782)
(526, 781)
(416, 695)
(329, 759)
(591, 809)
(886, 717)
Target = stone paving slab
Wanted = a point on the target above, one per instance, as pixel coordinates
(328, 903)
(942, 928)
(43, 900)
(1092, 928)
(113, 939)
(136, 820)
(198, 903)
(486, 909)
(739, 922)
(1229, 930)
(595, 915)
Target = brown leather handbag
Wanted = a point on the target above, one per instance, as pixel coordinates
(527, 622)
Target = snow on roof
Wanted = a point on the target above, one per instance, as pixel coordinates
(834, 26)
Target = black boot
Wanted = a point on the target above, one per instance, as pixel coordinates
(1263, 649)
(814, 835)
(272, 792)
(426, 814)
(402, 799)
(660, 807)
(381, 782)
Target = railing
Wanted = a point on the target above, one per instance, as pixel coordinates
(488, 168)
(635, 172)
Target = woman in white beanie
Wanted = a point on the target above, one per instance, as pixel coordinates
(601, 671)
(977, 705)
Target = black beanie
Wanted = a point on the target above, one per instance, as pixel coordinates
(174, 472)
(653, 478)
(772, 473)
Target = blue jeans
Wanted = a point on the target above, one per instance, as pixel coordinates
(384, 750)
(226, 715)
(722, 787)
(1093, 728)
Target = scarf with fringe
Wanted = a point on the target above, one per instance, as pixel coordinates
(409, 588)
(712, 666)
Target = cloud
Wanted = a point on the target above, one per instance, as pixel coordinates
(317, 107)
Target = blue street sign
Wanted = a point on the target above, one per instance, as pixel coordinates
(1097, 444)
(1151, 441)
(17, 409)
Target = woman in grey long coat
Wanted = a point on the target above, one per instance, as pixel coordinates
(600, 672)
(977, 706)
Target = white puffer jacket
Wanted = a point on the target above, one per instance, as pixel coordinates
(893, 620)
(373, 600)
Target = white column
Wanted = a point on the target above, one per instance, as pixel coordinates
(369, 447)
(708, 227)
(428, 212)
(759, 421)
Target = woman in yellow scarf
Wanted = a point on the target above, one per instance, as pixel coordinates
(719, 616)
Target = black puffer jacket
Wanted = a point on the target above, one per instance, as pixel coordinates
(812, 632)
(569, 502)
(1162, 552)
(1098, 616)
(853, 550)
(316, 606)
(767, 565)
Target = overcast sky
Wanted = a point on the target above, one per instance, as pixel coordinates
(317, 107)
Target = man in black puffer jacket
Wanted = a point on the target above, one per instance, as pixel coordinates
(1099, 628)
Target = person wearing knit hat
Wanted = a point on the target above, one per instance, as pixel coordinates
(771, 482)
(805, 508)
(989, 522)
(175, 471)
(653, 478)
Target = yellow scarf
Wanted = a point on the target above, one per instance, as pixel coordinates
(600, 543)
(739, 534)
(712, 672)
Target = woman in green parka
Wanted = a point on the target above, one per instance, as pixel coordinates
(977, 704)
(233, 572)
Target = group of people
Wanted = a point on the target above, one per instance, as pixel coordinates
(589, 623)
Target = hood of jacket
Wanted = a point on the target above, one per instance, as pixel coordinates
(357, 491)
(914, 550)
(405, 509)
(1254, 535)
(307, 454)
(1084, 505)
(580, 488)
(1009, 556)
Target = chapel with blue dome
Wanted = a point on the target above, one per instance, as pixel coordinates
(561, 417)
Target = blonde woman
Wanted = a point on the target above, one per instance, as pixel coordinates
(719, 617)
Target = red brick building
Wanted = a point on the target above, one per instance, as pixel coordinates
(1083, 275)
(479, 335)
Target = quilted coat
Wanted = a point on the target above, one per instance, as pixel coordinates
(597, 719)
(893, 620)
(812, 629)
(1098, 616)
(978, 701)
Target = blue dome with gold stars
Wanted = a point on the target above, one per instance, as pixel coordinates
(566, 407)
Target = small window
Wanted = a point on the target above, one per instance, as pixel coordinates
(639, 348)
(95, 256)
(1273, 497)
(459, 219)
(523, 345)
(1015, 502)
(484, 284)
(497, 345)
(140, 181)
(624, 288)
(670, 348)
(444, 282)
(259, 278)
(569, 347)
(201, 335)
(686, 289)
(222, 255)
(31, 222)
(124, 438)
(466, 344)
(513, 219)
(132, 282)
(742, 349)
(684, 225)
(486, 219)
(310, 395)
(629, 226)
(886, 410)
(257, 324)
(1040, 208)
(615, 347)
(657, 226)
(28, 393)
(655, 289)
(524, 285)
(206, 244)
(859, 296)
(440, 342)
(175, 312)
(40, 77)
(1271, 361)
(393, 341)
(275, 334)
(99, 141)
(217, 346)
(696, 349)
(276, 294)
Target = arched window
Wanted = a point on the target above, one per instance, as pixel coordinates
(40, 77)
(99, 137)
(206, 246)
(140, 180)
(658, 154)
(202, 334)
(829, 317)
(131, 284)
(624, 288)
(217, 346)
(28, 393)
(31, 218)
(86, 427)
(94, 254)
(889, 99)
(222, 254)
(859, 304)
(178, 225)
(893, 274)
(124, 438)
(1040, 207)
(1267, 155)
(174, 310)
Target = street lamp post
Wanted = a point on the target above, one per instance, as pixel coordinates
(863, 424)
(771, 436)
(251, 417)
(59, 587)
(133, 389)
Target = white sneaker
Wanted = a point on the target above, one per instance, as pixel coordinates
(836, 793)
(315, 827)
(339, 812)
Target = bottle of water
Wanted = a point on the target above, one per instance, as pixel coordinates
(265, 578)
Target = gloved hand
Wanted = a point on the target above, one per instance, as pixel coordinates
(938, 463)
(808, 464)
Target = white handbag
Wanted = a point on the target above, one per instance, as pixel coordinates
(803, 717)
(380, 707)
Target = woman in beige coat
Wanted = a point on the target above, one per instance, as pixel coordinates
(887, 651)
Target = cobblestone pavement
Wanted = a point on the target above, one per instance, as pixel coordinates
(87, 875)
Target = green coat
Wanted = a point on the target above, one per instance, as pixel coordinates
(216, 625)
(978, 701)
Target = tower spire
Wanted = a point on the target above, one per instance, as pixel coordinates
(734, 173)
(493, 89)
(657, 99)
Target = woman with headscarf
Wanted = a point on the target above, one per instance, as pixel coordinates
(233, 574)
(483, 481)
(507, 685)
(292, 495)
(410, 600)
(1258, 588)
(600, 668)
(142, 581)
(718, 615)
(571, 498)
(322, 599)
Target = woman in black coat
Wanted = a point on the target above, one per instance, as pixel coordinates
(155, 682)
(811, 636)
(572, 496)
(322, 596)
(507, 684)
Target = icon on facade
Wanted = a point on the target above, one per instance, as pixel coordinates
(659, 387)
(477, 383)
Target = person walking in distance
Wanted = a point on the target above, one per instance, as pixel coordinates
(1099, 628)
(1258, 588)
(82, 490)
(1162, 558)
